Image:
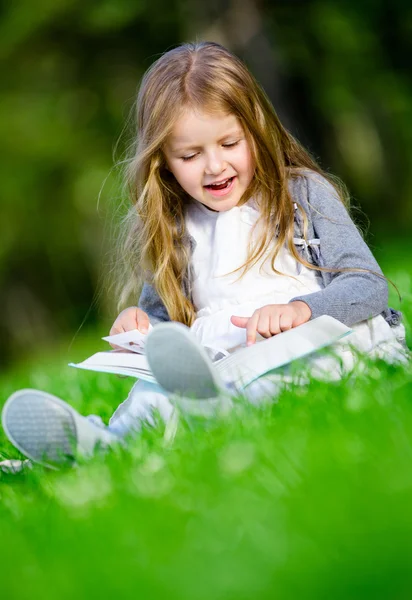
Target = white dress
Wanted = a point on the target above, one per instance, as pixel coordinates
(222, 242)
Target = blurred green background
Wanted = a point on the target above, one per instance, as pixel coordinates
(338, 75)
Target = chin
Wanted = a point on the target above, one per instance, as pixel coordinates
(225, 205)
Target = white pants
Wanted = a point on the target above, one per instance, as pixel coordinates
(146, 398)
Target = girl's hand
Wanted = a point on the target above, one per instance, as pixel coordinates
(130, 318)
(272, 319)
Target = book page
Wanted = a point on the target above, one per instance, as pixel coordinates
(117, 358)
(118, 362)
(247, 364)
(134, 340)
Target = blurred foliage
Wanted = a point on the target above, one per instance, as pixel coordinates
(347, 64)
(71, 77)
(336, 71)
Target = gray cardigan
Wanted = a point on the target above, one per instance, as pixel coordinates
(332, 240)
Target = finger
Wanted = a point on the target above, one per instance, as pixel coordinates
(263, 325)
(116, 328)
(142, 321)
(251, 328)
(274, 324)
(285, 322)
(239, 321)
(129, 319)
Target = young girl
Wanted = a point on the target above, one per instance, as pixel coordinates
(236, 231)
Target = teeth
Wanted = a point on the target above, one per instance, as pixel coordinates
(220, 182)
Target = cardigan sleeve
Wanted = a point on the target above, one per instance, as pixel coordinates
(151, 303)
(350, 296)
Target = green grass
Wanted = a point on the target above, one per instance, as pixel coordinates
(309, 497)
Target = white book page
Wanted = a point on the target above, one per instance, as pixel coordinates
(126, 371)
(118, 362)
(117, 358)
(133, 340)
(247, 364)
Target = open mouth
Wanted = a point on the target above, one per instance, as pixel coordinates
(223, 185)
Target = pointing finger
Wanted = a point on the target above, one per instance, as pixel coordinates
(251, 328)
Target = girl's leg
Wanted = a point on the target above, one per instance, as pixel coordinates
(144, 398)
(182, 366)
(266, 388)
(48, 430)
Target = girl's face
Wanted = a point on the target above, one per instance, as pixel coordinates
(210, 157)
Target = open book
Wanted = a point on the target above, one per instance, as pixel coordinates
(242, 365)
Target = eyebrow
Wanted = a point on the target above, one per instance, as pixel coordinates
(182, 146)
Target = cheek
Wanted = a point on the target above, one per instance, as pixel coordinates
(243, 160)
(186, 175)
(248, 163)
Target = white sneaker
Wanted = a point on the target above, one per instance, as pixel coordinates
(180, 364)
(48, 430)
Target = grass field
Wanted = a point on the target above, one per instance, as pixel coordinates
(309, 497)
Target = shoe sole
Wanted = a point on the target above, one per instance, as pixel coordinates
(41, 426)
(179, 364)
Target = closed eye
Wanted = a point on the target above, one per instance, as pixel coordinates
(227, 145)
(231, 144)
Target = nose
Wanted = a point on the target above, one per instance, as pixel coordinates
(215, 163)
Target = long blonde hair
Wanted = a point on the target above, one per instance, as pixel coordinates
(206, 76)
